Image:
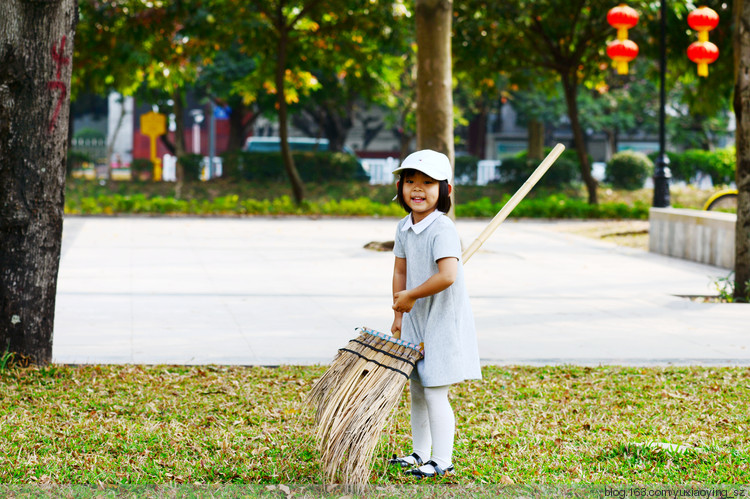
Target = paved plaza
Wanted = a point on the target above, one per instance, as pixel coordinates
(270, 291)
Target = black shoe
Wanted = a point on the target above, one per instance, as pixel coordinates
(417, 472)
(404, 463)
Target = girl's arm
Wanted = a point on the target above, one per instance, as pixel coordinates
(403, 301)
(399, 284)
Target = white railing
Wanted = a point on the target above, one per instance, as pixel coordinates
(380, 170)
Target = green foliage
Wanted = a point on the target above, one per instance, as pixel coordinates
(719, 164)
(88, 133)
(517, 169)
(224, 205)
(629, 170)
(555, 206)
(76, 159)
(211, 426)
(141, 167)
(312, 166)
(466, 166)
(726, 287)
(191, 165)
(6, 359)
(231, 197)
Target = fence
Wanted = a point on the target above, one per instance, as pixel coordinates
(94, 148)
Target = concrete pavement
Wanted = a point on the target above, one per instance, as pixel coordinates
(269, 291)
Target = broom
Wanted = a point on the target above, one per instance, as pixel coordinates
(356, 395)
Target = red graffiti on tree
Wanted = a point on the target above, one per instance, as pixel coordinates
(58, 55)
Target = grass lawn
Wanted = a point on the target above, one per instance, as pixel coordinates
(249, 425)
(220, 426)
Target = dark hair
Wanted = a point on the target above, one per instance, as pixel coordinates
(444, 194)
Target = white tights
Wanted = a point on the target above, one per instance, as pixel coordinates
(433, 424)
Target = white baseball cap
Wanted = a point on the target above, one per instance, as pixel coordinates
(431, 163)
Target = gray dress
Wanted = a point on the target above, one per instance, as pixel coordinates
(443, 322)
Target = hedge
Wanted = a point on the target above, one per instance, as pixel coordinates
(516, 169)
(557, 206)
(718, 164)
(312, 166)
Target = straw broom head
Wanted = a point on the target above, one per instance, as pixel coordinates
(354, 400)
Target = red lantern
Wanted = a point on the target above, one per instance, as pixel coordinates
(703, 52)
(622, 18)
(703, 19)
(622, 52)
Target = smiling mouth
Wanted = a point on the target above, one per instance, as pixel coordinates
(417, 200)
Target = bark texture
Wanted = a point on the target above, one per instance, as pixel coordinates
(298, 189)
(570, 87)
(434, 20)
(434, 76)
(36, 47)
(536, 140)
(742, 113)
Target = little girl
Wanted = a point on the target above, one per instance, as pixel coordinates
(432, 307)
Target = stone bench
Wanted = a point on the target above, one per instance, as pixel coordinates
(696, 235)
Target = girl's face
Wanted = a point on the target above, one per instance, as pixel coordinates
(421, 195)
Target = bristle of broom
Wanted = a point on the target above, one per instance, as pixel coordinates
(354, 400)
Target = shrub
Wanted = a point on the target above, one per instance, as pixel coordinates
(141, 168)
(628, 170)
(680, 169)
(685, 166)
(312, 166)
(89, 133)
(517, 169)
(555, 206)
(191, 166)
(76, 159)
(719, 164)
(466, 166)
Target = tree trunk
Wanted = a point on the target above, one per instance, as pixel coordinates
(180, 149)
(298, 189)
(477, 142)
(742, 113)
(536, 140)
(36, 49)
(336, 125)
(570, 87)
(434, 77)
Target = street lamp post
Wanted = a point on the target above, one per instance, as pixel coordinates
(662, 173)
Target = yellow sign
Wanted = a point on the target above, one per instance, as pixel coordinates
(153, 125)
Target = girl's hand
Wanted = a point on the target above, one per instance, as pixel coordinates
(396, 327)
(403, 301)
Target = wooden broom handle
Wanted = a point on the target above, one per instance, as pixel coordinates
(513, 201)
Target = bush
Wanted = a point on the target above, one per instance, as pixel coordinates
(76, 159)
(719, 164)
(141, 168)
(685, 166)
(312, 166)
(517, 169)
(466, 166)
(191, 166)
(557, 207)
(628, 170)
